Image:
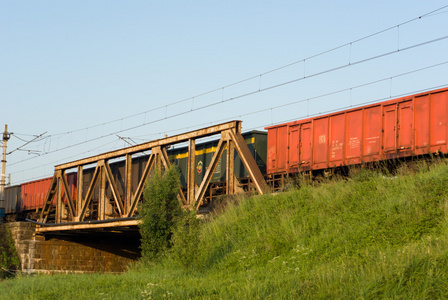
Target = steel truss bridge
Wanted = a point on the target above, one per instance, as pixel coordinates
(69, 212)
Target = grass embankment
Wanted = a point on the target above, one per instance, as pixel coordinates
(367, 237)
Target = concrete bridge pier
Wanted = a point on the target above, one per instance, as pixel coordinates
(74, 252)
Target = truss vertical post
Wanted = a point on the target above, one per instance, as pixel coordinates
(191, 185)
(102, 197)
(158, 160)
(79, 192)
(59, 204)
(128, 183)
(230, 167)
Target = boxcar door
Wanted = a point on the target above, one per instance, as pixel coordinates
(389, 128)
(438, 121)
(293, 147)
(404, 126)
(305, 146)
(277, 149)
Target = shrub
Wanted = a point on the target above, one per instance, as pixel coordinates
(186, 241)
(160, 212)
(8, 256)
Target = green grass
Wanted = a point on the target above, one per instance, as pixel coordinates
(368, 237)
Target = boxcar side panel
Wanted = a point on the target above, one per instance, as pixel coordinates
(372, 128)
(353, 137)
(402, 127)
(305, 146)
(282, 146)
(13, 199)
(438, 114)
(256, 142)
(277, 149)
(405, 118)
(260, 151)
(421, 124)
(320, 143)
(336, 140)
(293, 151)
(272, 150)
(33, 193)
(389, 128)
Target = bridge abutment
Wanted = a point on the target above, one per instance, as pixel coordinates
(73, 253)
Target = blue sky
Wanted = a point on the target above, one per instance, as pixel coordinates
(68, 67)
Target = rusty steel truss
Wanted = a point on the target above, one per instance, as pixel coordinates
(74, 208)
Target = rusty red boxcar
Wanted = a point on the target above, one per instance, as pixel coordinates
(403, 127)
(33, 193)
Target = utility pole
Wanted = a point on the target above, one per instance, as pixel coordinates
(6, 136)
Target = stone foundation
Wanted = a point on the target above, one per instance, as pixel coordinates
(73, 253)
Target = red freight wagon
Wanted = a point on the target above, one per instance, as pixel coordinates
(33, 193)
(403, 127)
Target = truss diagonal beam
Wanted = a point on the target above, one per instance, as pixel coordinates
(114, 188)
(141, 184)
(71, 207)
(249, 163)
(209, 173)
(48, 200)
(88, 197)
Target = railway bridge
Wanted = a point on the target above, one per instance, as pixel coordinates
(100, 209)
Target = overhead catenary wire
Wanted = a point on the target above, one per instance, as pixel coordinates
(28, 142)
(259, 75)
(349, 107)
(286, 120)
(237, 97)
(297, 102)
(224, 100)
(60, 161)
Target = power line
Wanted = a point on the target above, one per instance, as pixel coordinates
(257, 91)
(283, 121)
(241, 96)
(246, 94)
(377, 100)
(62, 160)
(296, 102)
(261, 74)
(27, 142)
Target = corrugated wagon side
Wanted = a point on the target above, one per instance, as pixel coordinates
(12, 199)
(403, 127)
(33, 193)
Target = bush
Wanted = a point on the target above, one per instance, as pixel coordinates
(160, 212)
(186, 241)
(8, 256)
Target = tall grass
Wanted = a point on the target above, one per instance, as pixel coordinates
(370, 236)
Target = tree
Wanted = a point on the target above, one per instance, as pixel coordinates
(8, 255)
(160, 212)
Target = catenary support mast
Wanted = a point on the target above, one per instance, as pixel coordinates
(6, 136)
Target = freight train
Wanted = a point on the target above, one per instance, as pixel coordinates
(406, 127)
(26, 200)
